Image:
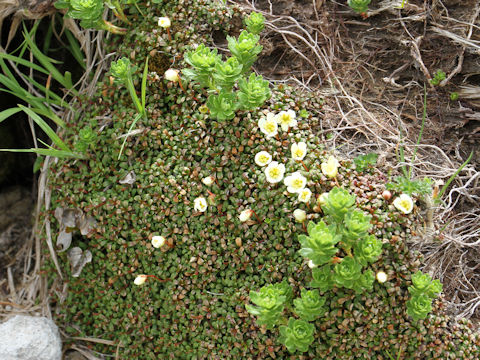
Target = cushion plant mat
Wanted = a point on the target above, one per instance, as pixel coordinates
(195, 306)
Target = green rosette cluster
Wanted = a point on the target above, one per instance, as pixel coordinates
(422, 293)
(227, 83)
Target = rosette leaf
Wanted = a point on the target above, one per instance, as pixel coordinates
(270, 305)
(255, 23)
(227, 73)
(203, 61)
(419, 306)
(365, 282)
(253, 92)
(310, 305)
(245, 49)
(367, 250)
(89, 12)
(297, 335)
(319, 246)
(338, 203)
(284, 290)
(347, 273)
(121, 69)
(359, 6)
(357, 224)
(322, 278)
(423, 284)
(222, 106)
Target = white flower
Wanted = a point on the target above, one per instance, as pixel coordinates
(286, 119)
(268, 125)
(158, 241)
(330, 167)
(172, 75)
(164, 22)
(404, 203)
(140, 279)
(304, 195)
(322, 199)
(299, 150)
(200, 204)
(208, 180)
(245, 215)
(295, 182)
(311, 265)
(274, 172)
(381, 277)
(263, 158)
(299, 215)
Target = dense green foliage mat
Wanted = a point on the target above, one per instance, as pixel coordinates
(195, 307)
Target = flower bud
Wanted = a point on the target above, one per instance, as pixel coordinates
(311, 265)
(245, 215)
(381, 277)
(208, 180)
(140, 279)
(300, 215)
(158, 241)
(172, 75)
(387, 195)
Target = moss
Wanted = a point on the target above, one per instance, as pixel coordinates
(198, 311)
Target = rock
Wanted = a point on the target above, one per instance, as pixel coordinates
(30, 338)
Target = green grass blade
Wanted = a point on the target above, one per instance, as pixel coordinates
(9, 112)
(46, 152)
(144, 86)
(137, 117)
(46, 62)
(75, 49)
(47, 129)
(451, 178)
(23, 62)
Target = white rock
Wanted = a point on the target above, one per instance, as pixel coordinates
(30, 338)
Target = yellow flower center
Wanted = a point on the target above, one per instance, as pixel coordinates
(405, 204)
(274, 173)
(297, 183)
(263, 159)
(298, 152)
(270, 127)
(285, 119)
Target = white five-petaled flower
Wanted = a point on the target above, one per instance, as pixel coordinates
(172, 75)
(311, 264)
(164, 22)
(245, 215)
(158, 241)
(268, 125)
(263, 158)
(200, 204)
(299, 150)
(274, 172)
(208, 180)
(381, 277)
(140, 279)
(330, 167)
(286, 119)
(295, 182)
(299, 215)
(404, 203)
(322, 199)
(304, 195)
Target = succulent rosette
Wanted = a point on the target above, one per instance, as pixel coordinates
(297, 335)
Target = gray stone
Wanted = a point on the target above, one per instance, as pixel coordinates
(30, 338)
